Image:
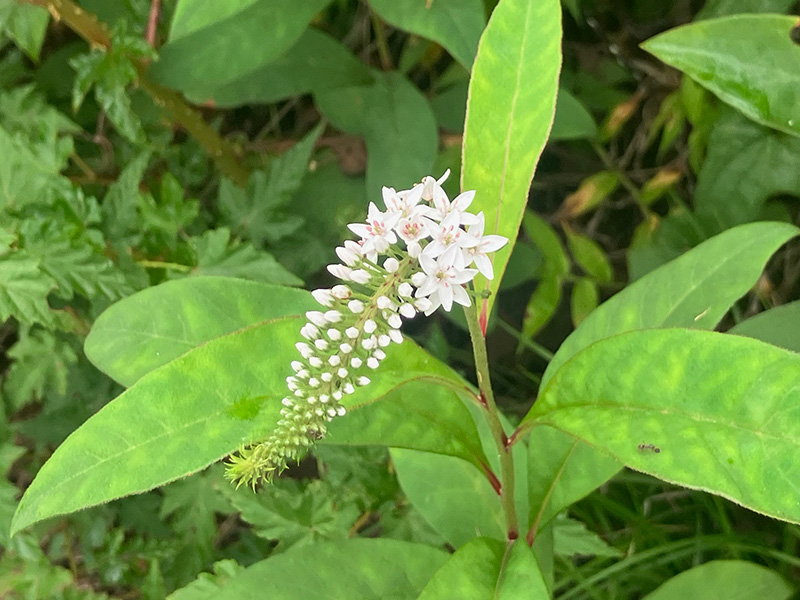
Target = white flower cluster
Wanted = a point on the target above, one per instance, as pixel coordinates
(442, 241)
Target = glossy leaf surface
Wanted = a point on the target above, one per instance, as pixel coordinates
(315, 63)
(720, 414)
(369, 569)
(213, 42)
(748, 61)
(195, 410)
(510, 110)
(149, 329)
(455, 24)
(779, 326)
(486, 568)
(695, 290)
(724, 580)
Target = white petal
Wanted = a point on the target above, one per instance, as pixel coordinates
(461, 296)
(492, 243)
(484, 265)
(446, 297)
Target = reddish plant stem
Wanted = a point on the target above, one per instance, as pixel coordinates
(152, 22)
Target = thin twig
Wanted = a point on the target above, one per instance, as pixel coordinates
(152, 22)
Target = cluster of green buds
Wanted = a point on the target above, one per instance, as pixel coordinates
(382, 283)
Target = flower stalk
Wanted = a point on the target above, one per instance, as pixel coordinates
(415, 256)
(487, 402)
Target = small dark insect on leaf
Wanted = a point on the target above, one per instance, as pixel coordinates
(649, 448)
(794, 34)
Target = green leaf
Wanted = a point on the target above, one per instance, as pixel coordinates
(748, 61)
(218, 255)
(41, 363)
(512, 97)
(191, 505)
(367, 569)
(110, 71)
(418, 415)
(720, 414)
(397, 123)
(572, 538)
(206, 586)
(486, 568)
(293, 514)
(777, 326)
(220, 43)
(591, 258)
(455, 24)
(722, 8)
(585, 298)
(541, 306)
(259, 212)
(561, 471)
(25, 24)
(725, 580)
(24, 289)
(317, 62)
(695, 290)
(460, 505)
(746, 165)
(191, 412)
(151, 328)
(572, 121)
(545, 237)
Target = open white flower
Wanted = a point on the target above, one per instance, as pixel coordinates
(443, 207)
(401, 203)
(377, 232)
(448, 234)
(444, 280)
(486, 243)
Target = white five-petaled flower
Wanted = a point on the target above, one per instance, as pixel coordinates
(443, 207)
(448, 234)
(486, 243)
(377, 232)
(403, 202)
(444, 279)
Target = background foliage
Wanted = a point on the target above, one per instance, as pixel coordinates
(294, 115)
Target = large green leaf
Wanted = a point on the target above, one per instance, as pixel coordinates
(701, 409)
(778, 326)
(455, 498)
(463, 504)
(695, 290)
(200, 407)
(397, 123)
(725, 580)
(367, 569)
(151, 328)
(749, 61)
(455, 24)
(561, 470)
(315, 63)
(746, 164)
(419, 415)
(512, 97)
(214, 43)
(486, 568)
